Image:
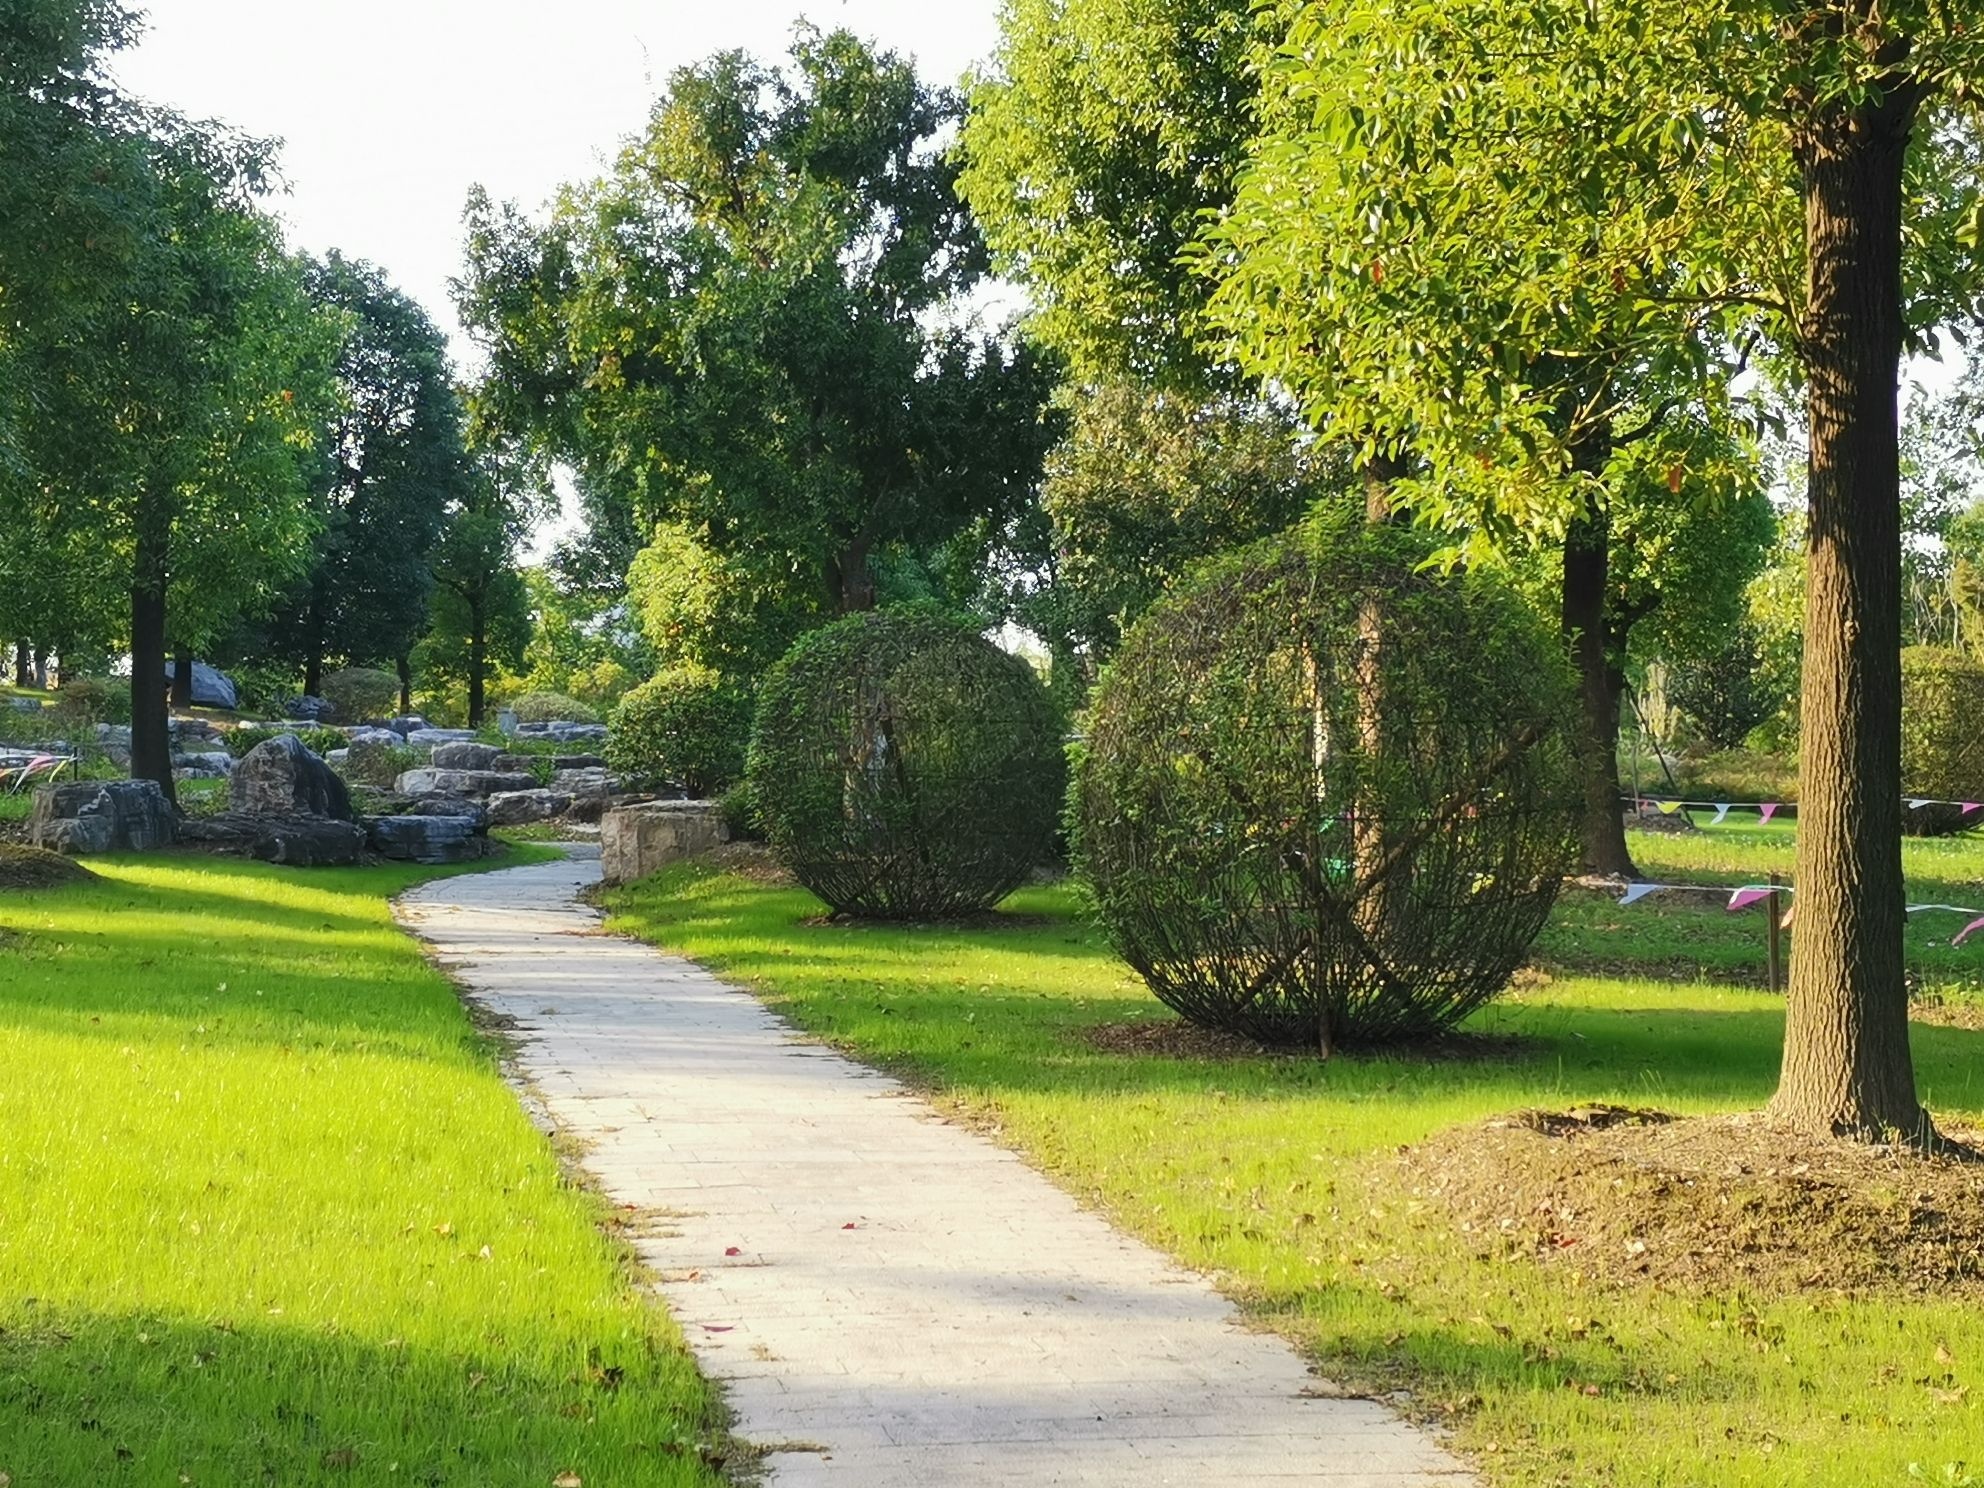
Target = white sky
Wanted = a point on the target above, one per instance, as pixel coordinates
(389, 110)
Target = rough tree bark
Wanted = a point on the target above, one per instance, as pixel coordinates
(478, 661)
(23, 664)
(151, 738)
(1847, 1068)
(182, 678)
(851, 581)
(1587, 571)
(404, 666)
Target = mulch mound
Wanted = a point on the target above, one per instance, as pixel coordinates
(37, 868)
(1710, 1203)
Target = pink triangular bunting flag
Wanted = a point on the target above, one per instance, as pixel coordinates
(1965, 933)
(1767, 810)
(1744, 898)
(1970, 806)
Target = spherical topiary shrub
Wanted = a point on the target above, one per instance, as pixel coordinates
(904, 767)
(685, 725)
(552, 707)
(1942, 748)
(1327, 797)
(359, 693)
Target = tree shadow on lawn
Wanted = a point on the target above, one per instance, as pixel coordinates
(150, 954)
(89, 1398)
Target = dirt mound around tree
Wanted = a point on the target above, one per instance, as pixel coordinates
(24, 867)
(1709, 1203)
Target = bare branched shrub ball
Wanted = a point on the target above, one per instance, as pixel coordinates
(904, 767)
(1328, 796)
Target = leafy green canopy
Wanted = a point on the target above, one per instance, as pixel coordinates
(754, 325)
(1485, 229)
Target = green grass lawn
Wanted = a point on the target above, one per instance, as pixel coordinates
(269, 1215)
(1277, 1175)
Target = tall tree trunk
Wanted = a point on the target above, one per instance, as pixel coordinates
(41, 667)
(151, 737)
(1587, 567)
(1847, 1068)
(23, 664)
(404, 666)
(478, 662)
(182, 678)
(852, 579)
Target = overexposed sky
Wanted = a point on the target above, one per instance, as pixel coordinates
(389, 110)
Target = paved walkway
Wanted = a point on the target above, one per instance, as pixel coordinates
(889, 1301)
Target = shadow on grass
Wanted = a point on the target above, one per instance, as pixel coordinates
(93, 1399)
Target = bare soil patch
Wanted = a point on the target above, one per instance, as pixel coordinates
(1709, 1203)
(24, 867)
(748, 860)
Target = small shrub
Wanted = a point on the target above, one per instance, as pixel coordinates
(552, 707)
(685, 725)
(378, 764)
(359, 693)
(88, 701)
(265, 688)
(239, 741)
(1942, 746)
(904, 767)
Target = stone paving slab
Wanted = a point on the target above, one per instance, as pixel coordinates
(888, 1300)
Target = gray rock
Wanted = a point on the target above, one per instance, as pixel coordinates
(427, 839)
(192, 730)
(373, 734)
(114, 735)
(515, 808)
(577, 762)
(212, 688)
(406, 723)
(461, 782)
(429, 737)
(563, 732)
(202, 764)
(308, 709)
(294, 839)
(95, 816)
(25, 704)
(279, 777)
(635, 841)
(466, 756)
(587, 782)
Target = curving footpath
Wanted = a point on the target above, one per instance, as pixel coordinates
(888, 1301)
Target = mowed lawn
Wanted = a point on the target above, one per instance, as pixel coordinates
(269, 1215)
(1279, 1175)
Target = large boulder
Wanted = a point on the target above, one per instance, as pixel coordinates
(635, 841)
(461, 782)
(97, 816)
(212, 688)
(466, 756)
(293, 839)
(516, 808)
(202, 764)
(428, 738)
(406, 723)
(428, 839)
(373, 733)
(578, 762)
(372, 801)
(279, 777)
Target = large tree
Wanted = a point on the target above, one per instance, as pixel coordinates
(757, 324)
(1689, 177)
(391, 459)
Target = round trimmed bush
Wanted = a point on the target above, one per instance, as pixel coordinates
(1942, 749)
(552, 707)
(904, 767)
(685, 725)
(1327, 799)
(359, 693)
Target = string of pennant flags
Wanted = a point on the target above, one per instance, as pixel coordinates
(1767, 809)
(1745, 895)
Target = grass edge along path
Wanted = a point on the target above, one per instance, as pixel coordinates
(1279, 1177)
(270, 1214)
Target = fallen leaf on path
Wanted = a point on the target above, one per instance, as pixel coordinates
(732, 1250)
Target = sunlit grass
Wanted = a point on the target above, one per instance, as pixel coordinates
(268, 1213)
(1276, 1175)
